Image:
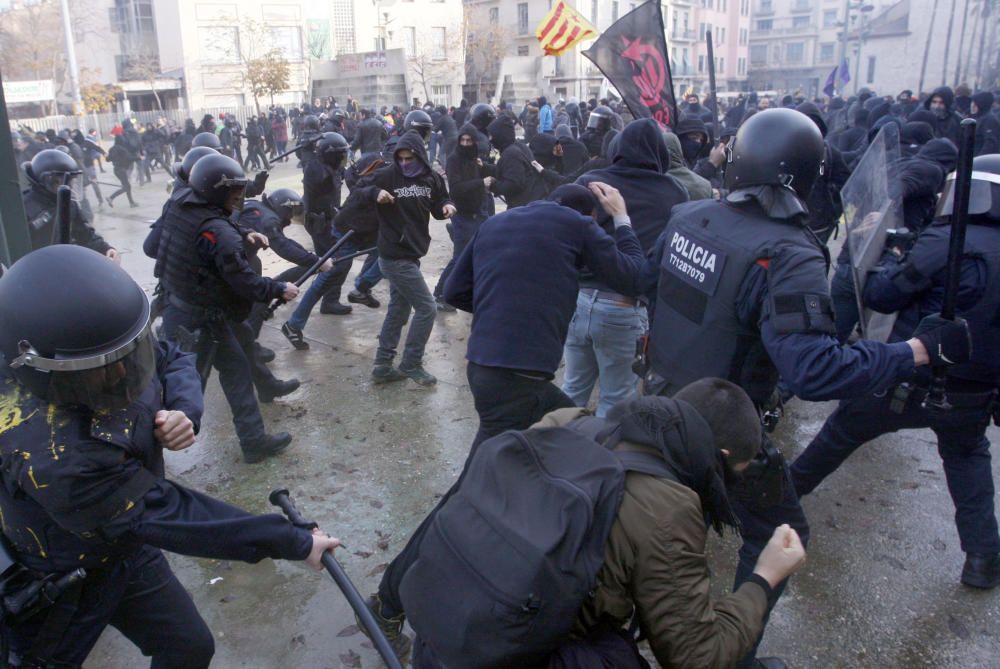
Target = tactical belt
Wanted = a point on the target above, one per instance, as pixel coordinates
(608, 295)
(207, 313)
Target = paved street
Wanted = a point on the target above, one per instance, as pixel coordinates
(880, 588)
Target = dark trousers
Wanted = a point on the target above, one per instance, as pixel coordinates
(461, 229)
(256, 156)
(504, 401)
(233, 365)
(962, 445)
(126, 188)
(142, 599)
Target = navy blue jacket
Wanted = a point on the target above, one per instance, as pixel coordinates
(518, 277)
(259, 217)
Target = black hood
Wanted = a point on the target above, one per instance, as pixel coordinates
(924, 116)
(813, 112)
(563, 131)
(609, 137)
(541, 146)
(984, 100)
(946, 94)
(642, 146)
(916, 132)
(691, 124)
(837, 103)
(412, 141)
(941, 151)
(501, 132)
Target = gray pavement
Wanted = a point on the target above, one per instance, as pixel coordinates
(880, 588)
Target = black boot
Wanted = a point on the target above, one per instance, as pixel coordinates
(264, 447)
(981, 570)
(335, 308)
(263, 353)
(277, 389)
(363, 297)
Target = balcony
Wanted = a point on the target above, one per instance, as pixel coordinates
(683, 35)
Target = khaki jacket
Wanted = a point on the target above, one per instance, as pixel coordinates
(655, 562)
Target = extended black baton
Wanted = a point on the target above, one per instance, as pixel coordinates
(280, 498)
(936, 398)
(307, 143)
(64, 215)
(311, 271)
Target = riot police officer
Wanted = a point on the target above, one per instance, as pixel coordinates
(739, 291)
(209, 139)
(913, 285)
(420, 122)
(46, 172)
(599, 122)
(90, 401)
(210, 286)
(311, 133)
(480, 116)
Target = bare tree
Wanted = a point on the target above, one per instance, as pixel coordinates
(27, 36)
(486, 44)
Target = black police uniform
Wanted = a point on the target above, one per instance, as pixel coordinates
(40, 211)
(86, 489)
(321, 193)
(913, 286)
(742, 296)
(201, 262)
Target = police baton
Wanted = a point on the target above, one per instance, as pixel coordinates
(936, 398)
(305, 144)
(280, 498)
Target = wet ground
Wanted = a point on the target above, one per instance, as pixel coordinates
(880, 588)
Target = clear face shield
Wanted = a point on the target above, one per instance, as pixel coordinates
(980, 195)
(107, 381)
(53, 180)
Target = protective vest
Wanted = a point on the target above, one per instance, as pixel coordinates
(54, 456)
(925, 267)
(181, 270)
(709, 249)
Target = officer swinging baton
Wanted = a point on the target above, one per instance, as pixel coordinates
(281, 499)
(936, 398)
(307, 143)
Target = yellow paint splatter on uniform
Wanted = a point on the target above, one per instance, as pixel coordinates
(50, 418)
(41, 548)
(11, 415)
(31, 475)
(129, 504)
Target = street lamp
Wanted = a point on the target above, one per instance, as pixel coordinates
(849, 17)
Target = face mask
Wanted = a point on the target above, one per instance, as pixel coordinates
(467, 152)
(412, 169)
(691, 148)
(940, 112)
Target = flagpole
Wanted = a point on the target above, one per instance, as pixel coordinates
(673, 93)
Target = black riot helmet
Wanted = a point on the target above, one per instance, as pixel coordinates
(600, 119)
(339, 115)
(209, 139)
(285, 202)
(51, 168)
(77, 336)
(984, 196)
(481, 115)
(421, 122)
(332, 149)
(220, 181)
(310, 123)
(190, 158)
(778, 147)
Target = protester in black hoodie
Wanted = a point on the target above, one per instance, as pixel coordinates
(941, 103)
(599, 160)
(469, 183)
(987, 125)
(407, 192)
(574, 152)
(516, 180)
(824, 203)
(601, 341)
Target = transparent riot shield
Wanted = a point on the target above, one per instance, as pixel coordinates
(871, 210)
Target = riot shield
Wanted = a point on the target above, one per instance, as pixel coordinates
(871, 210)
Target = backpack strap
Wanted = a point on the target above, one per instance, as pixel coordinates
(646, 463)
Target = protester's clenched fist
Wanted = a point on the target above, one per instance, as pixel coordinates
(782, 556)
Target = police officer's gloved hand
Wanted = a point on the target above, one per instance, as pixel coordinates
(260, 180)
(947, 342)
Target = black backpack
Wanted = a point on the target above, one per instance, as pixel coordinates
(510, 558)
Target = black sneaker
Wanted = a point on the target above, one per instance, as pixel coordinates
(392, 628)
(386, 374)
(335, 308)
(264, 447)
(981, 570)
(277, 389)
(365, 298)
(295, 336)
(419, 375)
(263, 353)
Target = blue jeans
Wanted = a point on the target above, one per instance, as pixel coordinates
(462, 228)
(369, 275)
(407, 292)
(601, 345)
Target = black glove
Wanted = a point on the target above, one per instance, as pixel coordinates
(260, 180)
(947, 342)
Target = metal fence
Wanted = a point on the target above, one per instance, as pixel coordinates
(103, 123)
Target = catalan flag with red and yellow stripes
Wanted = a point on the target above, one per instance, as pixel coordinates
(562, 28)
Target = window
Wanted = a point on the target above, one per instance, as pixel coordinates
(614, 12)
(721, 69)
(522, 18)
(410, 41)
(701, 64)
(279, 13)
(494, 15)
(701, 30)
(741, 66)
(794, 52)
(744, 35)
(522, 51)
(871, 69)
(764, 25)
(441, 94)
(758, 54)
(829, 18)
(219, 44)
(593, 12)
(826, 52)
(439, 46)
(800, 21)
(765, 7)
(343, 27)
(287, 40)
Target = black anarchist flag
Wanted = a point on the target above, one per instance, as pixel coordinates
(632, 54)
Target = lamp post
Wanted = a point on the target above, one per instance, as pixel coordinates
(849, 17)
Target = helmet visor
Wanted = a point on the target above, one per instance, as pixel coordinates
(111, 386)
(980, 195)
